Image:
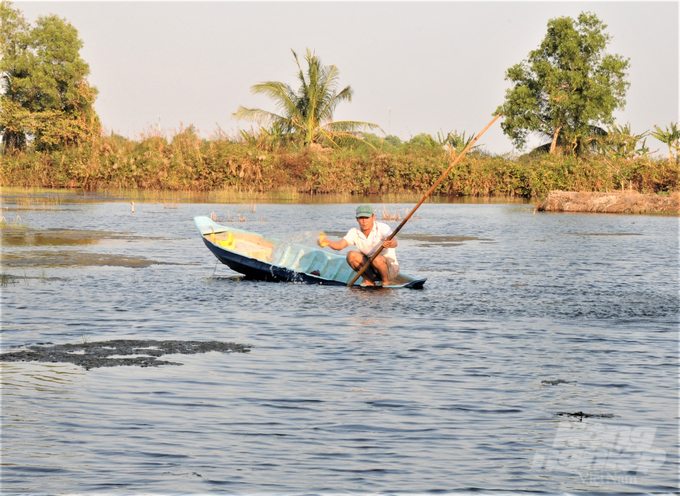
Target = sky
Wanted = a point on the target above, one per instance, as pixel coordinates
(415, 67)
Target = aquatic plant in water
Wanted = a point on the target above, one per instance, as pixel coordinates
(143, 353)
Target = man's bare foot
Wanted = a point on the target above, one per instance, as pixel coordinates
(386, 283)
(367, 283)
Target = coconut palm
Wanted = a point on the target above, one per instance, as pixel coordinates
(307, 115)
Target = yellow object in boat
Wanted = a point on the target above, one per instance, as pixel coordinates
(323, 242)
(229, 243)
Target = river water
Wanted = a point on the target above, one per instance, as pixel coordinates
(464, 386)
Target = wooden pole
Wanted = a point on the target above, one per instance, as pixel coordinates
(430, 191)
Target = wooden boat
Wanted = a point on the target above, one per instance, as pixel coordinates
(270, 259)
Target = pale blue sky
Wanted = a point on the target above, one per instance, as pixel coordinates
(437, 65)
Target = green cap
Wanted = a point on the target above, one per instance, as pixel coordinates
(364, 211)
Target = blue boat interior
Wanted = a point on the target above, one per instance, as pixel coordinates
(300, 259)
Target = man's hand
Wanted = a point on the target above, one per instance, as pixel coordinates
(336, 245)
(390, 243)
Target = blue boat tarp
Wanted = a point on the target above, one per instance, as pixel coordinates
(271, 259)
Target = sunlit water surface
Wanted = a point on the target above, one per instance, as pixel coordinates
(348, 390)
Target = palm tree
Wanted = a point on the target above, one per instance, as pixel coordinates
(307, 114)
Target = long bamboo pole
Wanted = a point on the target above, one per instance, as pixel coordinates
(430, 191)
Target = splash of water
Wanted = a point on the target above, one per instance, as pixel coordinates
(305, 238)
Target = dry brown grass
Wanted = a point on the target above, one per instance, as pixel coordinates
(387, 215)
(396, 215)
(614, 202)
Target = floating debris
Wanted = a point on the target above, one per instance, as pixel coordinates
(556, 381)
(143, 353)
(582, 415)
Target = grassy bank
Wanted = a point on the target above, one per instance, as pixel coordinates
(188, 162)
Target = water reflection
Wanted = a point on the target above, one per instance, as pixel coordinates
(25, 379)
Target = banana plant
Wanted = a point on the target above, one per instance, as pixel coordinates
(671, 138)
(621, 142)
(455, 142)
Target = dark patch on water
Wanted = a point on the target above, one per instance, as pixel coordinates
(18, 236)
(76, 258)
(428, 239)
(143, 353)
(29, 237)
(556, 382)
(437, 269)
(7, 279)
(582, 415)
(430, 245)
(604, 234)
(441, 240)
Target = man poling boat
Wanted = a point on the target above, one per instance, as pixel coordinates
(272, 259)
(367, 238)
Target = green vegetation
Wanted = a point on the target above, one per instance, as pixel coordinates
(224, 166)
(307, 115)
(45, 93)
(52, 139)
(7, 279)
(567, 88)
(12, 224)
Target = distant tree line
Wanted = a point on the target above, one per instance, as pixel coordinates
(46, 97)
(565, 91)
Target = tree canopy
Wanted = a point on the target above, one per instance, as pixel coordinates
(567, 87)
(306, 115)
(45, 91)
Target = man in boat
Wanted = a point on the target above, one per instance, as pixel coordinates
(367, 238)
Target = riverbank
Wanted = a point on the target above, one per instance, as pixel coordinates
(187, 162)
(612, 203)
